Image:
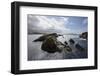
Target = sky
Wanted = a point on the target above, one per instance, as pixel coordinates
(56, 24)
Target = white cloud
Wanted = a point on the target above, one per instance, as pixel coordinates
(46, 24)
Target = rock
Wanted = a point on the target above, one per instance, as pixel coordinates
(66, 43)
(79, 47)
(68, 49)
(71, 41)
(42, 38)
(50, 45)
(63, 47)
(84, 35)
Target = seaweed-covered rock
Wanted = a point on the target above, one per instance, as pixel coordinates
(42, 38)
(50, 45)
(71, 41)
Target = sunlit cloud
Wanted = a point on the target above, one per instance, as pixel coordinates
(44, 24)
(56, 24)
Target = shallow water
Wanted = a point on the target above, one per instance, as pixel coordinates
(35, 52)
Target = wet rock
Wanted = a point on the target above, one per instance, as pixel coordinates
(68, 49)
(79, 47)
(50, 45)
(84, 35)
(71, 41)
(66, 43)
(42, 38)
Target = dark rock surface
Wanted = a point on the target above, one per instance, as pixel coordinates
(42, 38)
(66, 43)
(84, 35)
(68, 48)
(52, 45)
(71, 41)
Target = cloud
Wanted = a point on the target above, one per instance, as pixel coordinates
(47, 24)
(85, 21)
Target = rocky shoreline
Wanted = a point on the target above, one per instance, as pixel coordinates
(50, 44)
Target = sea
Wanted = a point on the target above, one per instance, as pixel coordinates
(36, 53)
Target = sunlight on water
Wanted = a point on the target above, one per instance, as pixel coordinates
(67, 37)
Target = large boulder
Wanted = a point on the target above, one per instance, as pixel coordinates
(42, 38)
(52, 45)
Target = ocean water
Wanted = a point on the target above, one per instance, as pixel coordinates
(35, 52)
